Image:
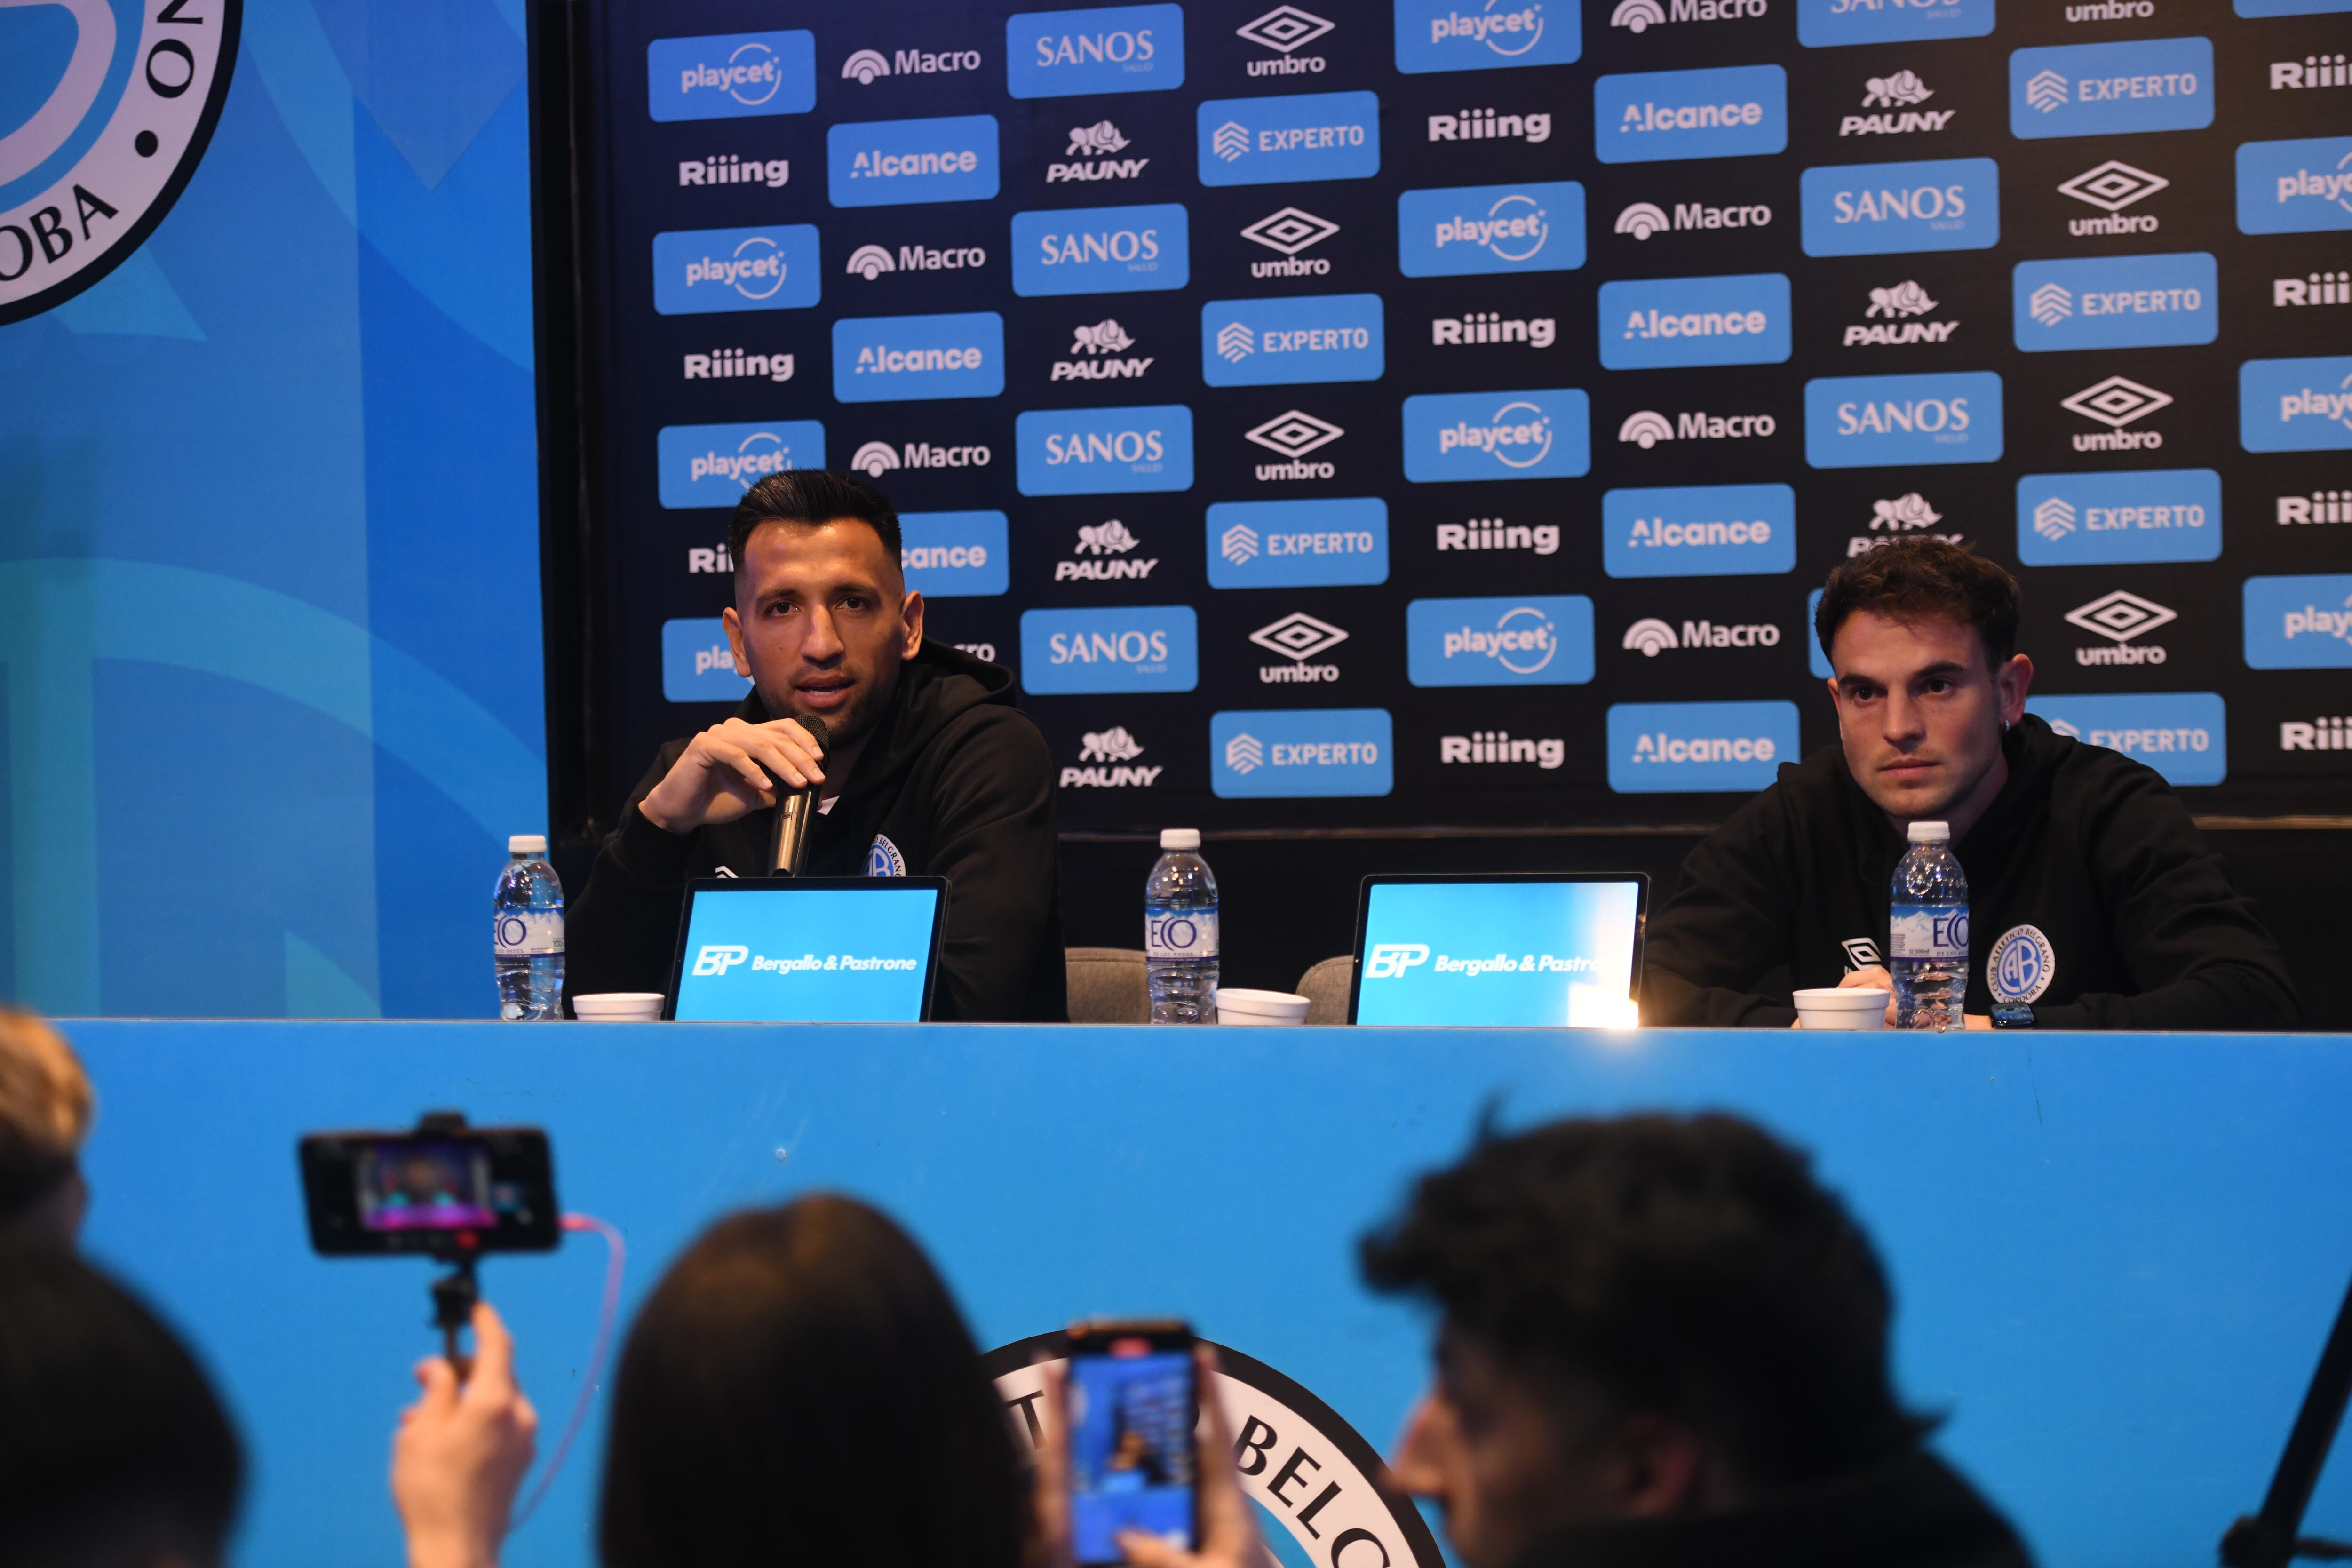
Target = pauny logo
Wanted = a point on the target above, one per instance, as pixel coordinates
(2118, 401)
(1101, 343)
(1109, 545)
(1903, 91)
(1294, 433)
(1493, 746)
(1889, 322)
(1297, 637)
(2120, 616)
(2111, 187)
(1642, 219)
(1094, 145)
(1113, 746)
(1286, 29)
(1907, 513)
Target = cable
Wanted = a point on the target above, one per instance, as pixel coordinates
(616, 1254)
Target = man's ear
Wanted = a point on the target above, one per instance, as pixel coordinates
(1658, 1466)
(2012, 681)
(734, 624)
(913, 615)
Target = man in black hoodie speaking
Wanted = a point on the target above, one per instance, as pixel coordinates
(930, 770)
(2092, 901)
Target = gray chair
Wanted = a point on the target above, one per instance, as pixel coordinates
(1325, 986)
(1106, 986)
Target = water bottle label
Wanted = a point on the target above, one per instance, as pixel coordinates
(1936, 932)
(1181, 933)
(516, 933)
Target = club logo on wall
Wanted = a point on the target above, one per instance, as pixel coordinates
(111, 140)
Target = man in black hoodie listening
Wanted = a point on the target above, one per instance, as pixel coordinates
(2092, 901)
(930, 770)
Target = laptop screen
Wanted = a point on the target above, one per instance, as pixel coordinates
(808, 950)
(1534, 950)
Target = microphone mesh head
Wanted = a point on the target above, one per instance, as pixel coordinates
(816, 726)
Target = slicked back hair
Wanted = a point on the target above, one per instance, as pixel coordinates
(1923, 579)
(812, 496)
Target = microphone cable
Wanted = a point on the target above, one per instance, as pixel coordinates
(616, 1254)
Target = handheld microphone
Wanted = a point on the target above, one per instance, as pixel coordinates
(795, 813)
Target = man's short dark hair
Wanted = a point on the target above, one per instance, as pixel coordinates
(1923, 579)
(1686, 1266)
(812, 496)
(112, 1448)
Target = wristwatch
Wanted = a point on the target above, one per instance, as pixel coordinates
(2013, 1015)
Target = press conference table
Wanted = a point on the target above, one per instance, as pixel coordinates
(2116, 1257)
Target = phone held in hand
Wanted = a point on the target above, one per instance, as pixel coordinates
(446, 1190)
(1134, 1400)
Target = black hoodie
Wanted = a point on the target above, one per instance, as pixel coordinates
(2083, 847)
(954, 781)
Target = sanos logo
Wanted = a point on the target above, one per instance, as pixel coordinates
(701, 270)
(1485, 35)
(1149, 648)
(1872, 421)
(891, 359)
(699, 664)
(1103, 452)
(1298, 543)
(1101, 250)
(2295, 405)
(2098, 519)
(1539, 640)
(2097, 89)
(890, 162)
(2183, 735)
(713, 465)
(2115, 301)
(1273, 342)
(1734, 111)
(1699, 530)
(954, 554)
(728, 76)
(1118, 49)
(1263, 754)
(1663, 322)
(1312, 136)
(2294, 187)
(1832, 24)
(1880, 209)
(1537, 227)
(1668, 748)
(1462, 436)
(2299, 622)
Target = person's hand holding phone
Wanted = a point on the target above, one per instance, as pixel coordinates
(460, 1454)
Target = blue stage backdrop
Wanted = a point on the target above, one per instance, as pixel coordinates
(269, 517)
(1442, 410)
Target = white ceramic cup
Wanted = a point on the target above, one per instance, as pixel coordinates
(618, 1007)
(1842, 1007)
(1236, 1006)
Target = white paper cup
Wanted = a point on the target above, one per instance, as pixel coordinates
(1259, 1009)
(1846, 1007)
(618, 1007)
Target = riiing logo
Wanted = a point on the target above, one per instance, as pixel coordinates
(730, 76)
(1110, 545)
(2319, 506)
(714, 959)
(2121, 616)
(1113, 746)
(2117, 403)
(1496, 746)
(1903, 92)
(727, 364)
(698, 271)
(2315, 70)
(732, 169)
(1888, 323)
(1642, 219)
(1486, 125)
(1490, 327)
(1286, 29)
(1094, 145)
(2111, 187)
(2328, 732)
(1494, 533)
(1533, 640)
(2319, 289)
(1101, 345)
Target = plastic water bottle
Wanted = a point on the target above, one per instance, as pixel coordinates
(527, 932)
(1927, 932)
(1180, 932)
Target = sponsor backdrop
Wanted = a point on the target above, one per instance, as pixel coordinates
(1446, 411)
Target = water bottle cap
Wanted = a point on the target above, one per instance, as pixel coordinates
(1930, 832)
(1179, 839)
(527, 843)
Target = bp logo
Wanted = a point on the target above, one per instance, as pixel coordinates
(883, 859)
(1306, 1469)
(115, 130)
(2020, 965)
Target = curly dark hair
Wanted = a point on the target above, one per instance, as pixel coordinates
(1922, 579)
(1690, 1267)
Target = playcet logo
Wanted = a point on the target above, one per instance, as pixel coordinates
(728, 76)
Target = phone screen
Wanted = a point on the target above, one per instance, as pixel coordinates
(412, 1185)
(490, 1189)
(1132, 1417)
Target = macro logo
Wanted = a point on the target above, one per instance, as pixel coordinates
(1699, 530)
(702, 270)
(1650, 636)
(2295, 405)
(954, 554)
(893, 359)
(867, 67)
(1638, 16)
(1834, 24)
(1884, 209)
(1872, 421)
(2111, 187)
(2098, 519)
(2115, 301)
(2098, 89)
(1536, 640)
(1462, 436)
(730, 76)
(892, 162)
(1669, 747)
(1537, 227)
(1115, 48)
(1275, 753)
(1146, 648)
(2299, 622)
(1666, 322)
(2294, 187)
(2183, 735)
(1732, 112)
(1642, 219)
(1273, 342)
(1311, 136)
(713, 465)
(1485, 35)
(698, 663)
(1103, 452)
(1319, 543)
(1101, 250)
(1645, 427)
